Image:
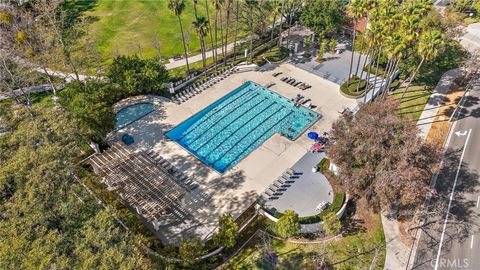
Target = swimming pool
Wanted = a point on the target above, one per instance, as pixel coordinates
(229, 129)
(132, 113)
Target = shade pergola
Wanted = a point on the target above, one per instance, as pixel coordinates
(141, 183)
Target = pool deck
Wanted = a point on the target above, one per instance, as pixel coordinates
(311, 187)
(237, 189)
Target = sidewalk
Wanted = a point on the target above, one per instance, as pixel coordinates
(196, 58)
(436, 100)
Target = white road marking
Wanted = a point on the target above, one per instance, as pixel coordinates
(450, 201)
(478, 201)
(463, 133)
(471, 242)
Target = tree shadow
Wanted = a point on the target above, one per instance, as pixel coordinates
(351, 224)
(459, 226)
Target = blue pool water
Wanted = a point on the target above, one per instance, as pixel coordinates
(132, 113)
(229, 129)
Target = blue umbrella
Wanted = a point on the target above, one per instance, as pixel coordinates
(312, 135)
(127, 139)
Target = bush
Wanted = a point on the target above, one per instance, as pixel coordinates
(323, 165)
(288, 225)
(350, 87)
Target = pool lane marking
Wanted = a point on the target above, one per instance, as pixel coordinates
(229, 123)
(451, 198)
(223, 117)
(238, 128)
(229, 103)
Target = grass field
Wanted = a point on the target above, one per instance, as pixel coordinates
(126, 26)
(412, 104)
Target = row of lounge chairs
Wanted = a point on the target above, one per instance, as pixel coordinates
(277, 188)
(295, 83)
(202, 85)
(181, 178)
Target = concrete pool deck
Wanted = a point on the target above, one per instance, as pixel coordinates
(311, 187)
(238, 188)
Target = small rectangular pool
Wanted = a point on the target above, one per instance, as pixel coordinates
(232, 127)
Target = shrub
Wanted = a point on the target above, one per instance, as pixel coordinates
(323, 165)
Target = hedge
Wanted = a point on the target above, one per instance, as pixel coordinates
(335, 206)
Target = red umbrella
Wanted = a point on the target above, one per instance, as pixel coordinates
(317, 147)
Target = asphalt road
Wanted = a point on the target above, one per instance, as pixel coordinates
(450, 238)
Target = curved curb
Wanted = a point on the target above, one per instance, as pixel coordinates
(312, 227)
(154, 99)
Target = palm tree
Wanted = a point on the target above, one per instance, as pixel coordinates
(274, 5)
(355, 10)
(195, 2)
(201, 28)
(227, 7)
(215, 26)
(177, 7)
(429, 47)
(237, 9)
(251, 4)
(282, 11)
(214, 52)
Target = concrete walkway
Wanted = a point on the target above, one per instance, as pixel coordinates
(436, 100)
(397, 252)
(28, 90)
(197, 58)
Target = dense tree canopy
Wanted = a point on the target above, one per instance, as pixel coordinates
(47, 220)
(323, 15)
(138, 76)
(381, 157)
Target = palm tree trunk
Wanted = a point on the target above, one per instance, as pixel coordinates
(221, 33)
(353, 51)
(226, 32)
(211, 34)
(368, 84)
(273, 26)
(388, 78)
(412, 77)
(359, 56)
(281, 23)
(195, 9)
(361, 73)
(236, 32)
(289, 26)
(184, 45)
(251, 33)
(204, 53)
(376, 70)
(216, 41)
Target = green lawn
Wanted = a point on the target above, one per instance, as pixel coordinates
(412, 104)
(355, 251)
(126, 26)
